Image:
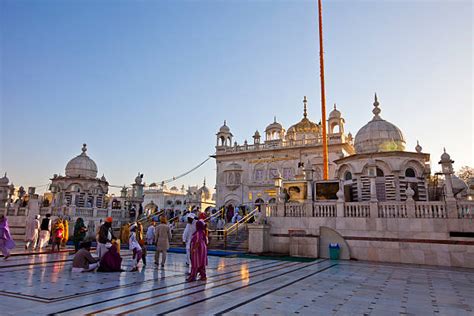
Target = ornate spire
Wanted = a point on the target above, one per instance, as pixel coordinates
(84, 149)
(334, 106)
(274, 119)
(376, 109)
(305, 112)
(225, 122)
(204, 183)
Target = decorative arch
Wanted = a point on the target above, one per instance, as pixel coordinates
(415, 165)
(343, 169)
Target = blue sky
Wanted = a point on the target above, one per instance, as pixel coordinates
(146, 84)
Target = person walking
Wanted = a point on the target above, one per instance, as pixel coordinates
(58, 234)
(45, 232)
(220, 228)
(198, 253)
(32, 232)
(150, 234)
(134, 246)
(188, 235)
(6, 240)
(162, 241)
(80, 231)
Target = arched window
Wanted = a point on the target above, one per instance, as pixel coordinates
(410, 173)
(348, 175)
(380, 172)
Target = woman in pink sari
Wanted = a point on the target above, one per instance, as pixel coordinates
(6, 240)
(198, 253)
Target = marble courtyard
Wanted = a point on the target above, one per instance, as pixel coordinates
(43, 284)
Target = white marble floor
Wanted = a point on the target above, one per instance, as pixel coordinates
(43, 284)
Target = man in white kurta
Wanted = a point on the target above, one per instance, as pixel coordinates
(32, 232)
(188, 235)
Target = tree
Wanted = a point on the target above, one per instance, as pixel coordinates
(465, 173)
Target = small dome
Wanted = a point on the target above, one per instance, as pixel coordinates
(274, 126)
(224, 128)
(378, 135)
(81, 166)
(103, 178)
(173, 188)
(445, 157)
(153, 185)
(204, 190)
(458, 184)
(335, 113)
(4, 180)
(256, 135)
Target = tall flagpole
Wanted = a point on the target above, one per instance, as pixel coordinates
(323, 94)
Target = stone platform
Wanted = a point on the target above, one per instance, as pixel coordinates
(43, 284)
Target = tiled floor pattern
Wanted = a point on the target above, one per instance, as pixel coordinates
(43, 284)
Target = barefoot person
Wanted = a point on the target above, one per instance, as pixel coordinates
(162, 237)
(83, 260)
(134, 246)
(32, 232)
(198, 253)
(6, 240)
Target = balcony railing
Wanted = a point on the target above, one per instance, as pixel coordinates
(390, 209)
(430, 210)
(325, 209)
(356, 209)
(465, 209)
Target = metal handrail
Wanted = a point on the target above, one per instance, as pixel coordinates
(242, 220)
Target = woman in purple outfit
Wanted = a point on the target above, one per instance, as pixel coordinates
(6, 240)
(198, 253)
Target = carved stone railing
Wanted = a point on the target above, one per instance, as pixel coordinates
(84, 212)
(102, 213)
(22, 211)
(465, 209)
(324, 209)
(356, 209)
(392, 210)
(295, 210)
(430, 210)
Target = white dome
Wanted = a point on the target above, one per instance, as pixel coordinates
(274, 126)
(378, 135)
(224, 128)
(335, 113)
(81, 166)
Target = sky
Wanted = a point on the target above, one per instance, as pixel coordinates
(147, 84)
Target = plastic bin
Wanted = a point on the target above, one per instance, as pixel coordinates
(334, 251)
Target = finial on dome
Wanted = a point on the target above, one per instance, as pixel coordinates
(274, 119)
(305, 112)
(225, 122)
(376, 109)
(444, 149)
(204, 181)
(334, 106)
(418, 148)
(84, 148)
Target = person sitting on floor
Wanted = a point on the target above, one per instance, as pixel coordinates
(83, 260)
(111, 261)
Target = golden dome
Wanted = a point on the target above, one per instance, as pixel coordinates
(305, 125)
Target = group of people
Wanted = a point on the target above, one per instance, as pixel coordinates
(39, 233)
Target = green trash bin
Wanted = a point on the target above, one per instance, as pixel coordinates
(334, 250)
